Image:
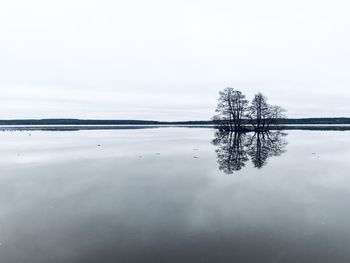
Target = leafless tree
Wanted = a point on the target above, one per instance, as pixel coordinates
(262, 115)
(274, 114)
(231, 109)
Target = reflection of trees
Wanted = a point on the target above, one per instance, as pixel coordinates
(235, 149)
(231, 152)
(265, 145)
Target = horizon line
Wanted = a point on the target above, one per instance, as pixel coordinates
(150, 120)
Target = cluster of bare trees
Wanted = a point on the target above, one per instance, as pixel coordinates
(234, 112)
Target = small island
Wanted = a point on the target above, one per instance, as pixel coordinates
(235, 113)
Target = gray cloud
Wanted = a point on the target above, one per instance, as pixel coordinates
(167, 60)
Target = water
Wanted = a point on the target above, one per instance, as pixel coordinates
(174, 195)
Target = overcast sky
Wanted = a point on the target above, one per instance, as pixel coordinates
(167, 60)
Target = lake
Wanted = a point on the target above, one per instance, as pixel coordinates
(171, 195)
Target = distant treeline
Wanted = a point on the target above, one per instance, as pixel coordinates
(310, 121)
(76, 122)
(315, 121)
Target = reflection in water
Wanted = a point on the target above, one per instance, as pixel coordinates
(235, 149)
(63, 199)
(231, 153)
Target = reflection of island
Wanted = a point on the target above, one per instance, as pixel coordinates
(235, 149)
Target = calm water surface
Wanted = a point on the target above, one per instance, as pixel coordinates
(174, 195)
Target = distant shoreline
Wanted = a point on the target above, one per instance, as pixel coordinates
(306, 127)
(294, 121)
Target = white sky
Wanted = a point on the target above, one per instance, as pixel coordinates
(167, 60)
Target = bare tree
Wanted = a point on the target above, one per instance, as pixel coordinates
(262, 114)
(257, 111)
(274, 114)
(231, 109)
